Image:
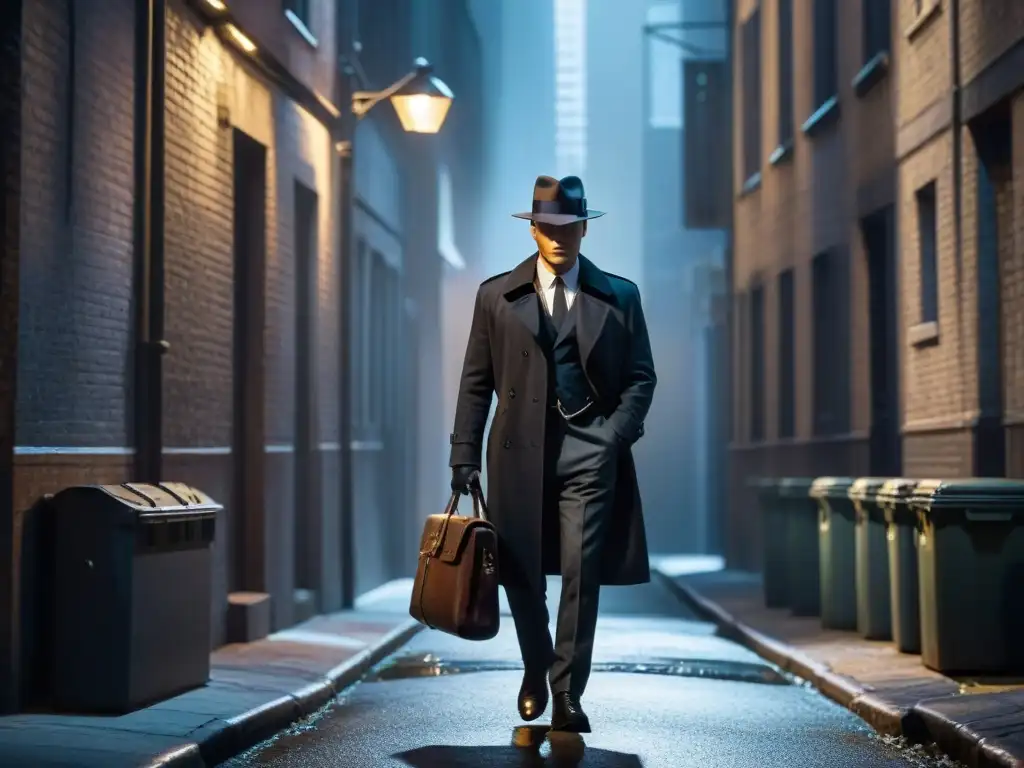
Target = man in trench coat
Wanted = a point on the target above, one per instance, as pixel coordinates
(565, 347)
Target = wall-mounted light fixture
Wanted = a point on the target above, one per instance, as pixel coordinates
(239, 38)
(421, 100)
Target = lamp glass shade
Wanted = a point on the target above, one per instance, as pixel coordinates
(421, 112)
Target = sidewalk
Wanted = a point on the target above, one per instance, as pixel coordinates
(980, 723)
(255, 690)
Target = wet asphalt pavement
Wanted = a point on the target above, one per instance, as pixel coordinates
(666, 692)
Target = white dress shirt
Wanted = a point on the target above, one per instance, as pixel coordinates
(546, 281)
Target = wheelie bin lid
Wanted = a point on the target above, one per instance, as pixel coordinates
(896, 489)
(969, 493)
(831, 487)
(866, 488)
(795, 487)
(137, 501)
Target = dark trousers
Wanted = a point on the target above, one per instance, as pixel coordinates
(580, 488)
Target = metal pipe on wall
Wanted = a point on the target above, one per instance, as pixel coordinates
(345, 378)
(151, 51)
(10, 237)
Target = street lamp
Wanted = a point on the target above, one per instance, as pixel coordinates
(421, 102)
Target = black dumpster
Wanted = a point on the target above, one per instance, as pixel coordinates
(801, 513)
(131, 594)
(874, 603)
(901, 538)
(837, 574)
(773, 537)
(971, 574)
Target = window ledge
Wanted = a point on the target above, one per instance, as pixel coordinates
(301, 28)
(924, 334)
(871, 74)
(823, 116)
(923, 19)
(781, 153)
(751, 184)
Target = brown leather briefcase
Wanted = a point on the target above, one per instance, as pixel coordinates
(456, 585)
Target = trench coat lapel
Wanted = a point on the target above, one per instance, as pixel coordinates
(522, 296)
(592, 304)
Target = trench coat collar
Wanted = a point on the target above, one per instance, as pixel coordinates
(592, 280)
(593, 301)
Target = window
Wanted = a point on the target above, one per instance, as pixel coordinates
(826, 76)
(785, 72)
(752, 95)
(757, 364)
(877, 14)
(787, 356)
(831, 342)
(927, 224)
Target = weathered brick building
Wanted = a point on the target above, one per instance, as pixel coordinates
(876, 256)
(815, 181)
(210, 353)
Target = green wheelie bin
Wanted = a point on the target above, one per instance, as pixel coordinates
(971, 574)
(901, 540)
(874, 603)
(801, 513)
(838, 577)
(773, 538)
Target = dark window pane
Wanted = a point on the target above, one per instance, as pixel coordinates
(787, 356)
(757, 364)
(752, 94)
(825, 51)
(876, 27)
(785, 71)
(927, 223)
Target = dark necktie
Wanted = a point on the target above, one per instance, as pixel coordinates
(560, 307)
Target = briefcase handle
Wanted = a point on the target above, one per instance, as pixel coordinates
(479, 504)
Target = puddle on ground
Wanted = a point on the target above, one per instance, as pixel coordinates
(428, 665)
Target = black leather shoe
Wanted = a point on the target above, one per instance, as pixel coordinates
(533, 695)
(568, 715)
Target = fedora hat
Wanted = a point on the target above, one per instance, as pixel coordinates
(559, 202)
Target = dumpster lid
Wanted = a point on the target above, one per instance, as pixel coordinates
(146, 500)
(831, 487)
(1008, 495)
(763, 486)
(795, 487)
(896, 489)
(865, 488)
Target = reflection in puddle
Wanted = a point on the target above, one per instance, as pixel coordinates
(428, 665)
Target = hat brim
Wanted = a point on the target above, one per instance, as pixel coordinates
(558, 219)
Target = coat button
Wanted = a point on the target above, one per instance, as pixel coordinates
(536, 399)
(512, 394)
(526, 353)
(508, 443)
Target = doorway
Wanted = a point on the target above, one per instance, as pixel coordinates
(886, 448)
(246, 548)
(307, 484)
(993, 138)
(380, 417)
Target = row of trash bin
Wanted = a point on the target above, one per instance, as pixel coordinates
(936, 567)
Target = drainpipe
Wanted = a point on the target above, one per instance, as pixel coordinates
(150, 29)
(956, 125)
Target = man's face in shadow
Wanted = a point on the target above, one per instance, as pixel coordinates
(559, 246)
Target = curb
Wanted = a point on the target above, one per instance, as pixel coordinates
(221, 740)
(916, 721)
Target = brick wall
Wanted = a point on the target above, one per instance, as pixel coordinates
(76, 283)
(987, 30)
